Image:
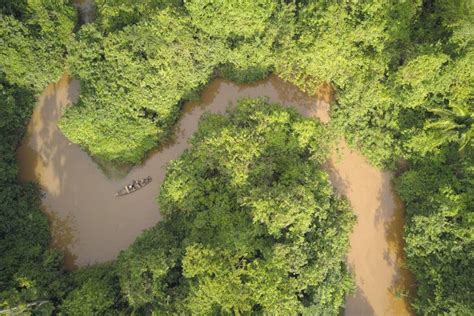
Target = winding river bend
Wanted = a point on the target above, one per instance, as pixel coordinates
(90, 225)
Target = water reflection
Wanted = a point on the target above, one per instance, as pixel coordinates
(63, 235)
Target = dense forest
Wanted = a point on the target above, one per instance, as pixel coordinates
(251, 223)
(34, 37)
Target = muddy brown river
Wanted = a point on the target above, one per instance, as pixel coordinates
(91, 225)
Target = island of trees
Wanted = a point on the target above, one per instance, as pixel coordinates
(251, 223)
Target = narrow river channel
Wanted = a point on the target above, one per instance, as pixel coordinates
(91, 225)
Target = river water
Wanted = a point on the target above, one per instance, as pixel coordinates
(91, 225)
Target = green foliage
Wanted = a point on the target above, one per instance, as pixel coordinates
(32, 48)
(435, 92)
(96, 292)
(137, 67)
(14, 8)
(353, 45)
(442, 87)
(15, 110)
(33, 39)
(114, 15)
(250, 47)
(148, 266)
(220, 18)
(344, 43)
(392, 74)
(251, 222)
(438, 193)
(24, 259)
(133, 84)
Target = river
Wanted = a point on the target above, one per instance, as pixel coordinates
(91, 225)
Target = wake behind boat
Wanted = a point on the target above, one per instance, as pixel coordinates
(133, 187)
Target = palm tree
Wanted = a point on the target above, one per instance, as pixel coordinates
(454, 124)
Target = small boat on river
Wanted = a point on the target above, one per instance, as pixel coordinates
(133, 187)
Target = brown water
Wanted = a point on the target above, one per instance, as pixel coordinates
(376, 256)
(91, 225)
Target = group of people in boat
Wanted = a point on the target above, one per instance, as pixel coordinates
(135, 185)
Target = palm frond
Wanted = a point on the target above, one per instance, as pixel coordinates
(445, 125)
(441, 112)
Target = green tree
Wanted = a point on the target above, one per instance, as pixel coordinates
(133, 84)
(453, 125)
(439, 235)
(95, 291)
(114, 15)
(250, 30)
(441, 89)
(251, 222)
(34, 43)
(149, 272)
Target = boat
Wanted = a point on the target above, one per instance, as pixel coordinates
(133, 187)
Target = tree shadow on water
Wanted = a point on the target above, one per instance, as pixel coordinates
(63, 236)
(358, 304)
(391, 216)
(340, 185)
(43, 160)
